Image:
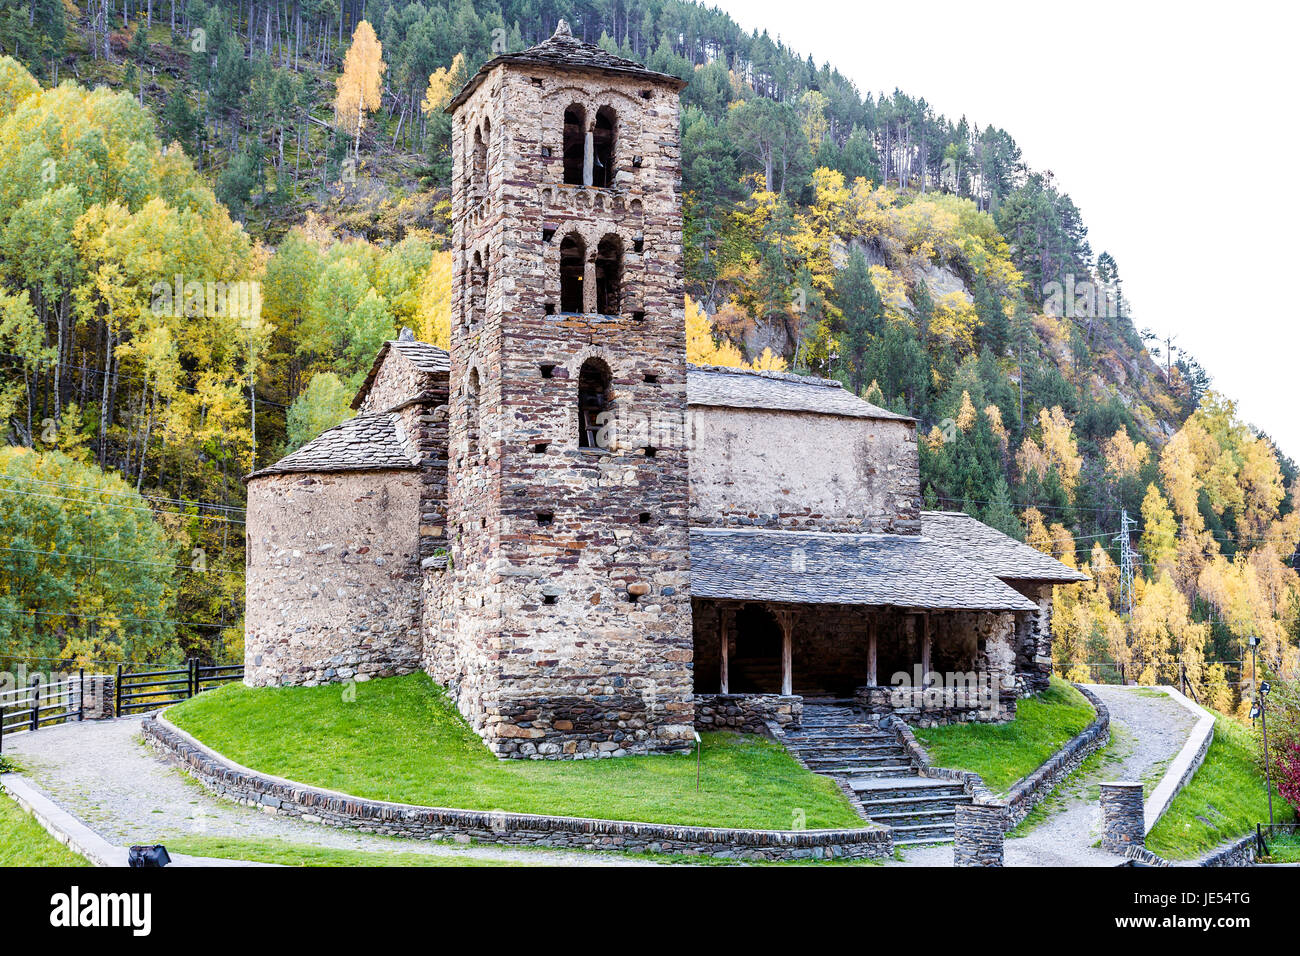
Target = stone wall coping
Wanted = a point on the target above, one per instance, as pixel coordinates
(1027, 792)
(1184, 766)
(209, 767)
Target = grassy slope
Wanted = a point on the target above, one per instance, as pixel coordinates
(403, 740)
(1223, 801)
(1003, 753)
(23, 842)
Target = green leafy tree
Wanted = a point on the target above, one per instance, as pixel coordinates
(324, 403)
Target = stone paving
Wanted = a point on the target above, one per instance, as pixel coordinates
(1148, 729)
(102, 773)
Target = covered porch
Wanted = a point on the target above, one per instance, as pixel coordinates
(895, 623)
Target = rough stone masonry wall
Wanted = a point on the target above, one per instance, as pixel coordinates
(312, 805)
(747, 713)
(421, 398)
(397, 381)
(534, 626)
(864, 476)
(1034, 639)
(333, 578)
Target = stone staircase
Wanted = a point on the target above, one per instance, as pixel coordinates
(837, 740)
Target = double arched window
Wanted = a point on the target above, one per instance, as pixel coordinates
(607, 275)
(589, 150)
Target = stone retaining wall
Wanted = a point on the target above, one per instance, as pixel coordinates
(315, 805)
(1028, 792)
(747, 713)
(1239, 853)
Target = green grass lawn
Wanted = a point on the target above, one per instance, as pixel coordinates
(1003, 753)
(1223, 801)
(1284, 848)
(24, 842)
(403, 740)
(286, 853)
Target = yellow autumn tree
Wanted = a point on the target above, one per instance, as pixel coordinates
(702, 347)
(443, 84)
(433, 312)
(1159, 544)
(361, 84)
(1058, 451)
(769, 361)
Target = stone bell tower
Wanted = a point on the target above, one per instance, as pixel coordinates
(562, 623)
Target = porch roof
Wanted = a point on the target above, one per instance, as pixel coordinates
(988, 548)
(808, 567)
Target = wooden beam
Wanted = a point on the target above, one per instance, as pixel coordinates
(872, 628)
(722, 640)
(785, 618)
(925, 650)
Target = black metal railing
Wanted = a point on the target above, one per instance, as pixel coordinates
(41, 704)
(149, 690)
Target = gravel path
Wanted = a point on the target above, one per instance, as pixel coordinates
(1148, 728)
(102, 773)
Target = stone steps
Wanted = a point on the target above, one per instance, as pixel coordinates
(834, 739)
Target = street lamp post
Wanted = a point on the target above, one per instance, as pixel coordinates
(1258, 710)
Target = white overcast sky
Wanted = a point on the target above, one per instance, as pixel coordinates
(1172, 126)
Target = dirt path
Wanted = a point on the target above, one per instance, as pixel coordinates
(102, 773)
(1148, 728)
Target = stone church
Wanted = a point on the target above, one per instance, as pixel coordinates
(595, 547)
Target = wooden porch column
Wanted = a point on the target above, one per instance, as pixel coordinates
(786, 619)
(872, 627)
(722, 641)
(925, 650)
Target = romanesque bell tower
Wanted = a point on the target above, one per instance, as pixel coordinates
(562, 622)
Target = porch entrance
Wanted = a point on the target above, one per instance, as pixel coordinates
(755, 665)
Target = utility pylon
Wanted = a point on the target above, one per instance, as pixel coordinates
(1126, 561)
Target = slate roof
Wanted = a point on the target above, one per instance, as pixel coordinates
(995, 552)
(804, 567)
(425, 357)
(365, 443)
(564, 51)
(745, 388)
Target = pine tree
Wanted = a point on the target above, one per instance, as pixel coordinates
(1000, 512)
(864, 318)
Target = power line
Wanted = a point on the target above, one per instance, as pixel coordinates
(120, 507)
(102, 557)
(124, 494)
(15, 612)
(128, 377)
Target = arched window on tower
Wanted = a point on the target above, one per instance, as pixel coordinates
(478, 282)
(573, 260)
(593, 399)
(602, 160)
(575, 144)
(478, 174)
(609, 275)
(472, 412)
